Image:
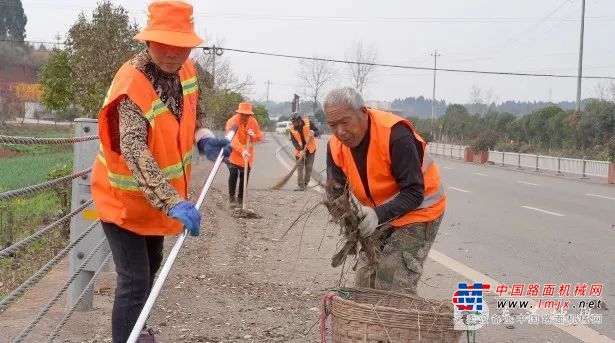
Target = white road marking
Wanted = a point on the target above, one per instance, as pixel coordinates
(480, 174)
(544, 211)
(581, 332)
(600, 196)
(459, 189)
(527, 183)
(448, 168)
(287, 166)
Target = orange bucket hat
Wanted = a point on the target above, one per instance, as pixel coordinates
(245, 108)
(170, 23)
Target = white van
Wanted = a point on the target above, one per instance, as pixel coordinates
(282, 127)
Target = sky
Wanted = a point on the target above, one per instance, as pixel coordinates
(494, 35)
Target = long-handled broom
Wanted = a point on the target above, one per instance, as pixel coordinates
(244, 212)
(278, 185)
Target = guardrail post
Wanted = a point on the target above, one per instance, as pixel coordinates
(559, 163)
(519, 160)
(84, 154)
(537, 157)
(584, 176)
(503, 153)
(451, 151)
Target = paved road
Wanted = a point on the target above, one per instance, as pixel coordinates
(511, 226)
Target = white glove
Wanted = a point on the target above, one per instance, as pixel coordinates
(311, 133)
(245, 154)
(368, 224)
(301, 153)
(250, 132)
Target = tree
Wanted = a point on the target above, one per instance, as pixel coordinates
(97, 47)
(10, 106)
(485, 141)
(220, 106)
(12, 20)
(225, 78)
(262, 116)
(610, 147)
(316, 74)
(56, 81)
(362, 71)
(482, 102)
(455, 121)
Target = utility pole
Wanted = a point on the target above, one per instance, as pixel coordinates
(580, 76)
(213, 51)
(433, 98)
(268, 83)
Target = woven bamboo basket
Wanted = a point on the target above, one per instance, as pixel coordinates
(370, 315)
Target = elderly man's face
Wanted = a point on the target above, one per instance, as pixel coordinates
(347, 125)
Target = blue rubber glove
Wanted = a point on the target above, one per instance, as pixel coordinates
(211, 147)
(189, 215)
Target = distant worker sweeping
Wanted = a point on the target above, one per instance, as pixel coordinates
(149, 123)
(303, 134)
(241, 159)
(381, 159)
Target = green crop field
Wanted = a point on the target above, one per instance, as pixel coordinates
(26, 170)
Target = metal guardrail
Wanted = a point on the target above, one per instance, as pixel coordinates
(559, 165)
(85, 239)
(446, 150)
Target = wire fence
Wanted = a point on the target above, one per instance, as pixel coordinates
(39, 140)
(54, 334)
(43, 271)
(59, 294)
(44, 185)
(77, 239)
(25, 242)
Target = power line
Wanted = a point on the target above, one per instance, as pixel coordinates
(243, 16)
(31, 42)
(514, 40)
(398, 66)
(452, 70)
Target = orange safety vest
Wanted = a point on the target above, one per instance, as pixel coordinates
(116, 193)
(381, 182)
(311, 147)
(240, 140)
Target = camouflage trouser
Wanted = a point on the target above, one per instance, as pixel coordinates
(400, 265)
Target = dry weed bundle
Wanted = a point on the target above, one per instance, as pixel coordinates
(347, 215)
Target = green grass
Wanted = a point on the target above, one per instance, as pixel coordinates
(28, 170)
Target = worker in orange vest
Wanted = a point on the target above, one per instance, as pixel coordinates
(247, 130)
(385, 164)
(303, 133)
(148, 125)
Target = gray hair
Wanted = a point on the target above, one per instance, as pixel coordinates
(344, 97)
